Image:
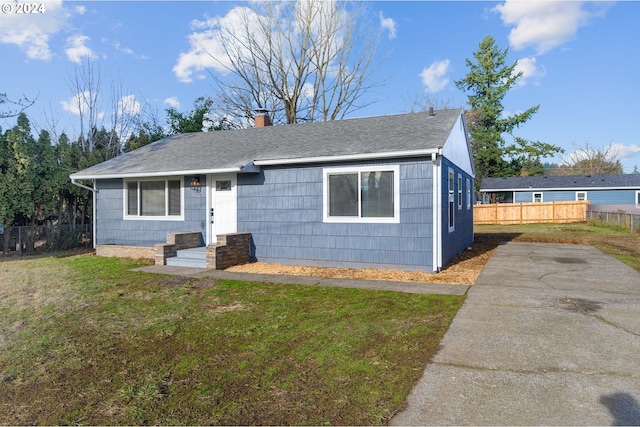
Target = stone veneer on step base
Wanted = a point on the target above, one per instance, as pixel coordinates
(175, 242)
(232, 249)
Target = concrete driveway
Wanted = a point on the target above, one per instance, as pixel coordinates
(548, 335)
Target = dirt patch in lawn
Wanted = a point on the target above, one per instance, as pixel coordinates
(463, 270)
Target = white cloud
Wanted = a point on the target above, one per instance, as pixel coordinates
(172, 102)
(32, 33)
(530, 70)
(128, 106)
(212, 38)
(119, 48)
(77, 48)
(77, 104)
(81, 10)
(543, 24)
(389, 25)
(435, 77)
(625, 151)
(206, 47)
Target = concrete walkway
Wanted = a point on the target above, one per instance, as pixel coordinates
(381, 285)
(548, 335)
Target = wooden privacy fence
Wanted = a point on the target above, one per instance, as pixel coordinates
(530, 213)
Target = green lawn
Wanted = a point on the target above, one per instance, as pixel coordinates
(85, 340)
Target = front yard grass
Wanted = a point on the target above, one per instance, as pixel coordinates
(85, 340)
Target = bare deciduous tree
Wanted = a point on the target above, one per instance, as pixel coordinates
(307, 60)
(86, 84)
(15, 106)
(588, 160)
(422, 102)
(119, 110)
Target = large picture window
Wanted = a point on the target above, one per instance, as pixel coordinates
(367, 194)
(153, 199)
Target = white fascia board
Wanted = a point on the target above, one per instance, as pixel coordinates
(537, 189)
(248, 168)
(347, 157)
(156, 174)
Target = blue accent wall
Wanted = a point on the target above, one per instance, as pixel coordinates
(282, 208)
(113, 229)
(458, 239)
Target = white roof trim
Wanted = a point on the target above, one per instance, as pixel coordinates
(347, 157)
(158, 174)
(633, 187)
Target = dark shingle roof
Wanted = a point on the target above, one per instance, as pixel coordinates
(229, 150)
(560, 182)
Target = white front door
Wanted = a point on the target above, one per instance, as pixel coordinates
(223, 214)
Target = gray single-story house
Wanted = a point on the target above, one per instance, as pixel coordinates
(604, 192)
(388, 192)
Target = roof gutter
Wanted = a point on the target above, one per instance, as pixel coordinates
(348, 157)
(631, 187)
(93, 218)
(245, 168)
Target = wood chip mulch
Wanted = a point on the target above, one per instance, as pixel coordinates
(463, 270)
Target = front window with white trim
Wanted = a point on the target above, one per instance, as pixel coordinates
(153, 199)
(362, 194)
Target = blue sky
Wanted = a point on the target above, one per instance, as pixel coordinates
(580, 60)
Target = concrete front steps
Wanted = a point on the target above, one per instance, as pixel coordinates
(192, 257)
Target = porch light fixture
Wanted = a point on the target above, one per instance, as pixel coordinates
(196, 184)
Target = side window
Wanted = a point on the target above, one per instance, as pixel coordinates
(537, 197)
(452, 218)
(459, 191)
(468, 193)
(581, 195)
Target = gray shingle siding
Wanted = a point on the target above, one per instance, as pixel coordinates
(453, 242)
(282, 208)
(113, 229)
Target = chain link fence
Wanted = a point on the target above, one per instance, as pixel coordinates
(43, 238)
(621, 219)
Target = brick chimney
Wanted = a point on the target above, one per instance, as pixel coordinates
(262, 118)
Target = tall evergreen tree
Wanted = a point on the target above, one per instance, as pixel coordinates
(489, 80)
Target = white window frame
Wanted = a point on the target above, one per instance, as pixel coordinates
(468, 193)
(638, 198)
(358, 170)
(125, 210)
(451, 212)
(578, 195)
(459, 192)
(533, 197)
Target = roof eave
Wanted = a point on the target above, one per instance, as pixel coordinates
(247, 168)
(577, 188)
(347, 157)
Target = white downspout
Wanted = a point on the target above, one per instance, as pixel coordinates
(94, 219)
(437, 220)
